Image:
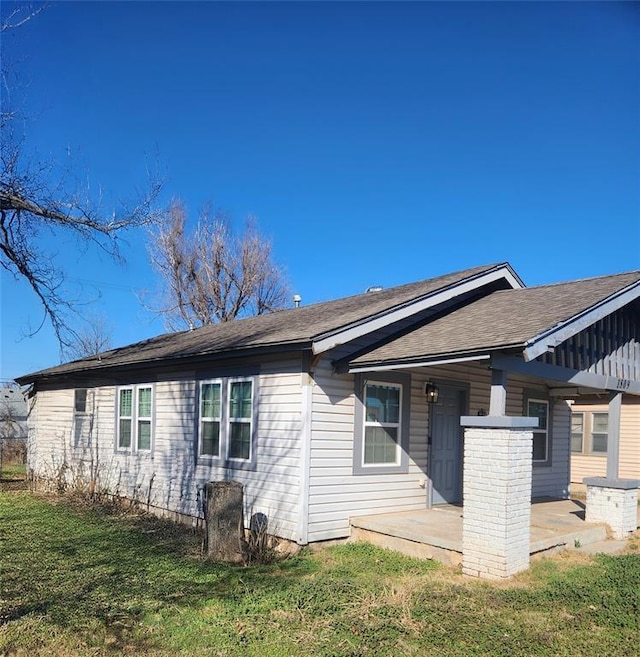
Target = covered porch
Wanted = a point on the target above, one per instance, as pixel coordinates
(540, 349)
(436, 533)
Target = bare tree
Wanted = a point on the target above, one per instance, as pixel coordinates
(89, 339)
(43, 204)
(213, 275)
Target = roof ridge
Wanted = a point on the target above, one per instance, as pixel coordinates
(573, 281)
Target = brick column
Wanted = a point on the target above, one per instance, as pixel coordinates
(613, 502)
(496, 523)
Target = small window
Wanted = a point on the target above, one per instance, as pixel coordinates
(540, 408)
(599, 432)
(125, 418)
(135, 423)
(82, 416)
(144, 418)
(80, 402)
(240, 414)
(210, 415)
(577, 432)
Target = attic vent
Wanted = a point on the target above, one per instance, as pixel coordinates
(296, 300)
(374, 288)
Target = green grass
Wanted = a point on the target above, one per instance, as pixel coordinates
(13, 471)
(88, 582)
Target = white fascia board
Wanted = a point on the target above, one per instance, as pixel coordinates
(425, 363)
(558, 334)
(356, 331)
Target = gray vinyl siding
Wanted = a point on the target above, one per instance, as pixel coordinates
(336, 494)
(548, 479)
(171, 478)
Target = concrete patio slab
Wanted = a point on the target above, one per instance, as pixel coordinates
(437, 533)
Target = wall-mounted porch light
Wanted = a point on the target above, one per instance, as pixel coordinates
(431, 392)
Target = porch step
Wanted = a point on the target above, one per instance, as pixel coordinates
(611, 546)
(545, 541)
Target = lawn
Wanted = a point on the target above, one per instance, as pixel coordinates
(13, 471)
(78, 581)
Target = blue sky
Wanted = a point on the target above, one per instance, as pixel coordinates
(376, 143)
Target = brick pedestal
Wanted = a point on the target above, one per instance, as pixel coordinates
(614, 502)
(497, 495)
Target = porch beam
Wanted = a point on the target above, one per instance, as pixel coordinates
(613, 436)
(559, 334)
(498, 399)
(342, 366)
(556, 373)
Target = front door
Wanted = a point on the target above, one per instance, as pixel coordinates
(446, 445)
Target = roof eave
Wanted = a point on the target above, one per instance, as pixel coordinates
(552, 337)
(432, 360)
(101, 369)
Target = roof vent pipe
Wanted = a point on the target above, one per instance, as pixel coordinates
(296, 300)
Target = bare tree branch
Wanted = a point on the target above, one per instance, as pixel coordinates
(90, 339)
(43, 204)
(21, 14)
(213, 275)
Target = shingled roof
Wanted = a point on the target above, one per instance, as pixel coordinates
(294, 328)
(503, 320)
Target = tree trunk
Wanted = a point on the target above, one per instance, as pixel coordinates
(225, 524)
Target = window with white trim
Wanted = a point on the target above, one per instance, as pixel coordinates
(82, 416)
(135, 418)
(599, 433)
(240, 419)
(227, 420)
(382, 412)
(540, 408)
(589, 432)
(210, 416)
(381, 424)
(577, 432)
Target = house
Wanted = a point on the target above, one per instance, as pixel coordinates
(450, 390)
(589, 438)
(13, 423)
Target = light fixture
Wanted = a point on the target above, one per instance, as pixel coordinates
(431, 392)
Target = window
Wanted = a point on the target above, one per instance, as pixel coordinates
(82, 416)
(240, 405)
(599, 432)
(210, 413)
(382, 424)
(135, 407)
(577, 432)
(540, 408)
(589, 432)
(226, 426)
(80, 400)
